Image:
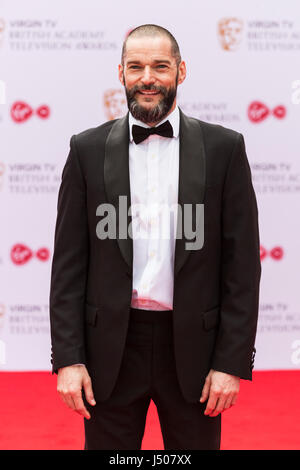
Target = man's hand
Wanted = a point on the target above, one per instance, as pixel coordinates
(70, 381)
(221, 390)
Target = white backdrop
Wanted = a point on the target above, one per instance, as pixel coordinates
(58, 65)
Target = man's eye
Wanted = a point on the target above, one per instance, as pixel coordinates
(161, 66)
(134, 67)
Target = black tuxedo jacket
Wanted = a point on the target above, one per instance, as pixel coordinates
(216, 288)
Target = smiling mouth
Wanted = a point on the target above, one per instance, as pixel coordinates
(148, 92)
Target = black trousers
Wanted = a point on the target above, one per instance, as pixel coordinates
(148, 372)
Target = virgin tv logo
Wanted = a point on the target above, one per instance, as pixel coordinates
(258, 112)
(20, 254)
(21, 111)
(275, 253)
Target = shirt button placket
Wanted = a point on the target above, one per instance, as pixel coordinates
(152, 199)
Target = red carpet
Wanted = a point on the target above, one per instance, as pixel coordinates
(266, 416)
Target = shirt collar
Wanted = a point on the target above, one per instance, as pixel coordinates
(173, 117)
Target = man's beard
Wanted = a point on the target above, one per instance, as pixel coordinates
(158, 112)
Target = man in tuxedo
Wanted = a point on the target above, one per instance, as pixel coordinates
(137, 316)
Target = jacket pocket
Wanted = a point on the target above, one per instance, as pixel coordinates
(211, 318)
(91, 314)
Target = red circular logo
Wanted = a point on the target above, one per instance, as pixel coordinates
(21, 254)
(275, 253)
(258, 111)
(21, 111)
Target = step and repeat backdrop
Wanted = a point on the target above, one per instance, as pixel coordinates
(58, 77)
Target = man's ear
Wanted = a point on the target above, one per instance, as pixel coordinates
(121, 71)
(182, 72)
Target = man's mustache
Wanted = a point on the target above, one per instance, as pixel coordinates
(137, 88)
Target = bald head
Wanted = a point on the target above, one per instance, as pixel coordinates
(152, 30)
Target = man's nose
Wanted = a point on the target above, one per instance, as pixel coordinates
(147, 78)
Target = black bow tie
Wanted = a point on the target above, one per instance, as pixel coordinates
(141, 133)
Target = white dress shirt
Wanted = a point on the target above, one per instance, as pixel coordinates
(154, 173)
(154, 176)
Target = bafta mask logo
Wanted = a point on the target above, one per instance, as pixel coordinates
(115, 104)
(230, 33)
(2, 28)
